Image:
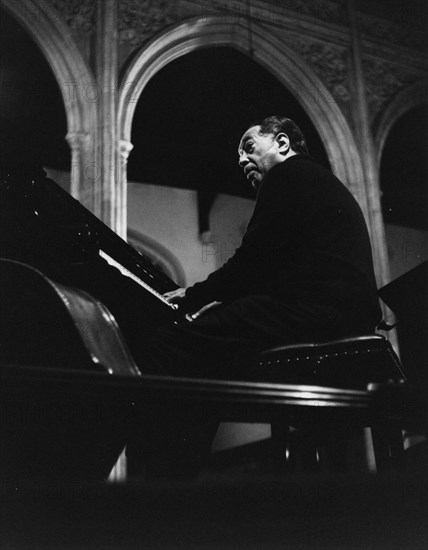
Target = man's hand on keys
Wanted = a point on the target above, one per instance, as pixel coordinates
(175, 296)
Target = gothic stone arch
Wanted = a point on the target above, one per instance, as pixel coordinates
(287, 66)
(290, 69)
(52, 35)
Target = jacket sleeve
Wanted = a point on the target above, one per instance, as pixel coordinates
(270, 229)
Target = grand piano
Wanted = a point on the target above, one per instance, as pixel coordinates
(70, 357)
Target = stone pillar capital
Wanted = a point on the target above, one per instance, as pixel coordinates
(125, 147)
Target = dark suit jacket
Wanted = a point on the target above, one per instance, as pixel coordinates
(307, 240)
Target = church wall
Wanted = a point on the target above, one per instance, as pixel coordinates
(407, 248)
(169, 216)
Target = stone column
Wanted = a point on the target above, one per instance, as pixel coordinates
(368, 155)
(83, 168)
(106, 206)
(125, 147)
(365, 143)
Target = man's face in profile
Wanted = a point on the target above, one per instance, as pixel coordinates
(257, 154)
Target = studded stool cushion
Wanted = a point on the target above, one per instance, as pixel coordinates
(346, 363)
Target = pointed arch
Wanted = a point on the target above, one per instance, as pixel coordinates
(294, 73)
(276, 57)
(51, 34)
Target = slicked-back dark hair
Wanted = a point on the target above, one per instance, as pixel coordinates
(280, 124)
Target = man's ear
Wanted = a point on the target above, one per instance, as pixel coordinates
(283, 143)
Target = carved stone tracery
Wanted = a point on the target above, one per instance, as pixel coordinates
(330, 11)
(390, 31)
(139, 20)
(78, 14)
(384, 81)
(331, 65)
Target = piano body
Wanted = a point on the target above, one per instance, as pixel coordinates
(44, 227)
(61, 349)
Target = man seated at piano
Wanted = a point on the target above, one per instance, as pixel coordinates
(303, 273)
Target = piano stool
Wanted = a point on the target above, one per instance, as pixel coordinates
(332, 390)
